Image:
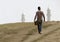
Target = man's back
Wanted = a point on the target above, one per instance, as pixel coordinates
(39, 15)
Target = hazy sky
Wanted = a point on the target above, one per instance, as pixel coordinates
(11, 10)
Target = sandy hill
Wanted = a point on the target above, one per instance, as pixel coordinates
(27, 32)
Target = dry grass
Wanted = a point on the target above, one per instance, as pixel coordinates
(8, 32)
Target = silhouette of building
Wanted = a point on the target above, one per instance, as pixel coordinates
(48, 14)
(22, 18)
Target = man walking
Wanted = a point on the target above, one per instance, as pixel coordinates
(39, 15)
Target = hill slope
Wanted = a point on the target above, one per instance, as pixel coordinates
(27, 32)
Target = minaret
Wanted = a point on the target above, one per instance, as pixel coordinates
(22, 18)
(48, 14)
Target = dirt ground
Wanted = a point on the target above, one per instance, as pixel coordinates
(27, 32)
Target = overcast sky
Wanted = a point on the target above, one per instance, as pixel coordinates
(11, 10)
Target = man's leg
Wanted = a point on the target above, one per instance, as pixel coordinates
(39, 28)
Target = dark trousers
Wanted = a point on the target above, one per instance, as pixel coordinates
(39, 27)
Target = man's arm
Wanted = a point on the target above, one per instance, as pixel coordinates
(44, 17)
(34, 18)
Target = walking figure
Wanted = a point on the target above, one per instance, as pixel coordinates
(38, 16)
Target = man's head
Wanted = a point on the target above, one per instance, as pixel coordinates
(39, 8)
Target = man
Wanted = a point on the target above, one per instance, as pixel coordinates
(39, 15)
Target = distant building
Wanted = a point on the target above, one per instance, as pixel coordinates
(22, 18)
(48, 14)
